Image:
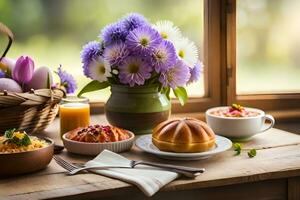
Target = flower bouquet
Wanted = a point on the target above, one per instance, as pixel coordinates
(28, 98)
(142, 62)
(134, 52)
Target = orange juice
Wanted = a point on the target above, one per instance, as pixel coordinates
(73, 113)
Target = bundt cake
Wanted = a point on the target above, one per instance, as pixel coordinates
(183, 135)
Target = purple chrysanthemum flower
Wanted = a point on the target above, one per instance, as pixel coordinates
(90, 51)
(164, 56)
(2, 74)
(133, 21)
(195, 72)
(176, 76)
(113, 33)
(134, 71)
(67, 80)
(116, 53)
(143, 40)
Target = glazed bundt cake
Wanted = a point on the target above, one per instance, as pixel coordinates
(183, 135)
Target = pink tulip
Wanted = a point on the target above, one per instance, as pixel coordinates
(23, 70)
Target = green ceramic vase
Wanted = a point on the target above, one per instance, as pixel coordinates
(138, 109)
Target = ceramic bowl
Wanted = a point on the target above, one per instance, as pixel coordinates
(240, 128)
(93, 149)
(26, 162)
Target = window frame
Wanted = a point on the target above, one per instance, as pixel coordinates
(220, 71)
(284, 106)
(211, 72)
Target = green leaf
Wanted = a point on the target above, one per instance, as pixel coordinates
(166, 91)
(93, 86)
(160, 88)
(181, 95)
(252, 153)
(238, 148)
(113, 79)
(16, 141)
(9, 133)
(12, 138)
(26, 140)
(153, 79)
(48, 80)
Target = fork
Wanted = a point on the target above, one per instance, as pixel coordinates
(73, 169)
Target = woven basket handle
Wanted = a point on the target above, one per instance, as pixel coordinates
(6, 31)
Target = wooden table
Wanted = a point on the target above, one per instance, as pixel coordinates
(273, 174)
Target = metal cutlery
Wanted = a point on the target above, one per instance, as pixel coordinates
(167, 166)
(186, 171)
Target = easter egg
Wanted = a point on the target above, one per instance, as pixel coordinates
(41, 79)
(9, 85)
(7, 64)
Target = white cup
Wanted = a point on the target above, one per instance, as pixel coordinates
(239, 127)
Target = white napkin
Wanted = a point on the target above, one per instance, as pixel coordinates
(148, 179)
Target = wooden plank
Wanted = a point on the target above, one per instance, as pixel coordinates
(225, 169)
(272, 189)
(294, 188)
(275, 189)
(272, 138)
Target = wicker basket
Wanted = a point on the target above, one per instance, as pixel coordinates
(31, 112)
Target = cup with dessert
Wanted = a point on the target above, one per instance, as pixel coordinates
(238, 122)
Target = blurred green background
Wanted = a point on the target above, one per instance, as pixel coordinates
(53, 32)
(268, 46)
(268, 35)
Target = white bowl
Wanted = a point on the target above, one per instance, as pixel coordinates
(93, 149)
(239, 127)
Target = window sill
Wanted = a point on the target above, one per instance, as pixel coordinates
(279, 115)
(288, 115)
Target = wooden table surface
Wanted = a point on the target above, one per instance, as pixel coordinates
(272, 174)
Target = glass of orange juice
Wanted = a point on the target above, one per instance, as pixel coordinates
(74, 112)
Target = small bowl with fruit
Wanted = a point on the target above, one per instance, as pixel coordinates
(93, 139)
(238, 122)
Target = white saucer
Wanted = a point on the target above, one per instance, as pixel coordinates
(145, 143)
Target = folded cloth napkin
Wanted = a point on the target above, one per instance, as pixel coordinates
(148, 179)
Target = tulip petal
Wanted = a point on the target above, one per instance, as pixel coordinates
(23, 70)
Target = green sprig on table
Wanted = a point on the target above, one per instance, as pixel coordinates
(237, 147)
(252, 153)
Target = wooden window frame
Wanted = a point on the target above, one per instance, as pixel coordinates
(284, 106)
(220, 70)
(212, 72)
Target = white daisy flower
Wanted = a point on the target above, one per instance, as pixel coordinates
(100, 69)
(167, 30)
(187, 51)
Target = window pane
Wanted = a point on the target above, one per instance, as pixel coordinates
(268, 46)
(53, 32)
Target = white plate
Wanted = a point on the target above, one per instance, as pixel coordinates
(145, 143)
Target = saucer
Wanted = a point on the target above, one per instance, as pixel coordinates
(145, 143)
